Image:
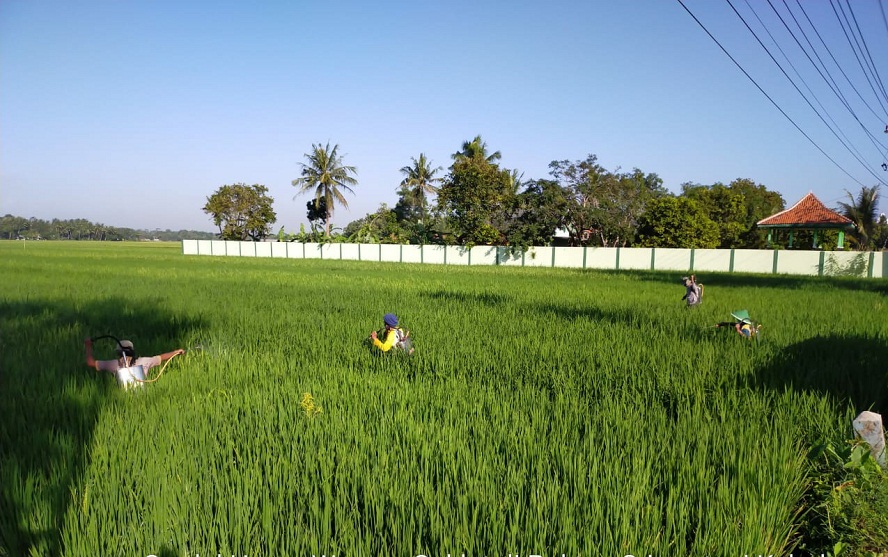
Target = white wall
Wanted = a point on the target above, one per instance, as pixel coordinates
(669, 259)
(798, 262)
(704, 260)
(712, 260)
(635, 258)
(753, 261)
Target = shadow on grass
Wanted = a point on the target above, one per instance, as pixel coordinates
(484, 298)
(617, 316)
(52, 402)
(848, 368)
(757, 280)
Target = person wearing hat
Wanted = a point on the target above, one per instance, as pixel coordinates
(693, 292)
(743, 324)
(393, 336)
(126, 357)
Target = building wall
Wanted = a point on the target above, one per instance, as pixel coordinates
(790, 262)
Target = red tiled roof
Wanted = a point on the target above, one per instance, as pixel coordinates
(808, 211)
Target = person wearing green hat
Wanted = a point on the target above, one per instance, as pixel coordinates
(126, 357)
(393, 336)
(743, 324)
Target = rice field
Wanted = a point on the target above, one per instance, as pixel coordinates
(546, 411)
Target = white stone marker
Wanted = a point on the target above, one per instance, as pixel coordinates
(869, 426)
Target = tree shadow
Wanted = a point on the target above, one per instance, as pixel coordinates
(759, 281)
(484, 298)
(52, 402)
(847, 368)
(616, 316)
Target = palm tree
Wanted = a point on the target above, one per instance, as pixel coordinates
(476, 149)
(862, 212)
(326, 174)
(420, 180)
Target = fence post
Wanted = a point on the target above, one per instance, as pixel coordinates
(731, 264)
(869, 268)
(470, 257)
(496, 250)
(618, 259)
(692, 260)
(774, 267)
(820, 265)
(400, 254)
(584, 257)
(553, 257)
(523, 252)
(653, 259)
(422, 253)
(445, 255)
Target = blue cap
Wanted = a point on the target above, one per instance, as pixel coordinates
(390, 319)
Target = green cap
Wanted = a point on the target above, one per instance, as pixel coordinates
(741, 315)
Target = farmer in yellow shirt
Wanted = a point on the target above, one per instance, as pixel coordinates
(743, 324)
(393, 336)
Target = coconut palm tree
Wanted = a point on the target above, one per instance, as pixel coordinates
(862, 212)
(326, 174)
(476, 149)
(420, 180)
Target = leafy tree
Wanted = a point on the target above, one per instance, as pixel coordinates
(725, 207)
(880, 234)
(316, 211)
(736, 208)
(241, 211)
(418, 183)
(379, 227)
(328, 176)
(476, 149)
(536, 213)
(863, 212)
(760, 203)
(603, 207)
(475, 196)
(676, 222)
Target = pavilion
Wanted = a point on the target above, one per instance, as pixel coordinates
(808, 214)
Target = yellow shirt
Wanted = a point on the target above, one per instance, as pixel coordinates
(391, 337)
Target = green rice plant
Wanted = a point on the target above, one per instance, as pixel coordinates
(546, 411)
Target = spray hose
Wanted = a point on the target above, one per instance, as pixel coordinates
(136, 379)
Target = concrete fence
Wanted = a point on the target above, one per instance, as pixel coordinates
(837, 263)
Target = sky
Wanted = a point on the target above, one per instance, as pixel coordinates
(131, 113)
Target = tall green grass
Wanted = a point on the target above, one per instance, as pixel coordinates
(546, 411)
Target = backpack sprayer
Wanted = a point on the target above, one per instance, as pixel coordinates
(131, 375)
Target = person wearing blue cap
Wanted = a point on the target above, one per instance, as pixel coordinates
(393, 336)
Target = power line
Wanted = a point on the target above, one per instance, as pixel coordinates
(728, 54)
(803, 95)
(856, 55)
(799, 75)
(830, 81)
(831, 55)
(869, 56)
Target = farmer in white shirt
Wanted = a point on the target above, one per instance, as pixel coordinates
(126, 357)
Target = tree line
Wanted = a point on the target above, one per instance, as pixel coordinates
(19, 228)
(476, 201)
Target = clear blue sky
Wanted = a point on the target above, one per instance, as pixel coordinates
(131, 113)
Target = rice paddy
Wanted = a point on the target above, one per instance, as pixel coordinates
(546, 411)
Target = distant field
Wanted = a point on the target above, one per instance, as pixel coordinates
(546, 411)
